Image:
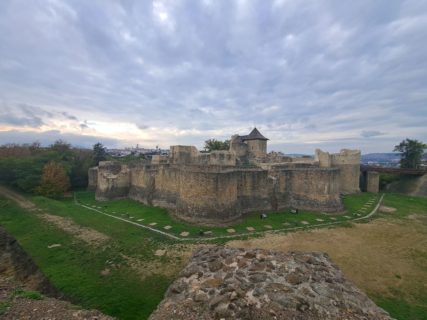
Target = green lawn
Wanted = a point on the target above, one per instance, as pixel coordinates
(416, 307)
(135, 211)
(75, 266)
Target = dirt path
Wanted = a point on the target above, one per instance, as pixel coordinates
(88, 235)
(16, 197)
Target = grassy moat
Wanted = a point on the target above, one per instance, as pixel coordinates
(124, 270)
(356, 206)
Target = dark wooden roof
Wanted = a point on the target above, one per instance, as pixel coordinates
(254, 135)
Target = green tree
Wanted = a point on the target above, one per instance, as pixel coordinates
(213, 144)
(55, 181)
(411, 152)
(99, 153)
(60, 146)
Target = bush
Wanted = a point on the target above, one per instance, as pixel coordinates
(55, 181)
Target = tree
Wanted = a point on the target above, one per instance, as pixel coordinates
(99, 153)
(411, 152)
(55, 181)
(213, 144)
(61, 146)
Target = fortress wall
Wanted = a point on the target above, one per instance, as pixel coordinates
(159, 159)
(167, 186)
(208, 196)
(183, 154)
(373, 181)
(113, 180)
(92, 178)
(223, 158)
(254, 190)
(308, 160)
(142, 183)
(315, 189)
(348, 161)
(323, 158)
(221, 194)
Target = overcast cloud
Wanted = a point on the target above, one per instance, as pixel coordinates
(308, 74)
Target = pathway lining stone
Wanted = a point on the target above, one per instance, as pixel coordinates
(160, 253)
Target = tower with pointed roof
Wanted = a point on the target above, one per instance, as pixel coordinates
(257, 143)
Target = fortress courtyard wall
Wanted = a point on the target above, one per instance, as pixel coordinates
(113, 181)
(92, 178)
(348, 161)
(221, 194)
(315, 189)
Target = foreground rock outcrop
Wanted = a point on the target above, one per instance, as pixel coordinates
(230, 283)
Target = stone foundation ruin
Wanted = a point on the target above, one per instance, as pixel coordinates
(221, 186)
(232, 283)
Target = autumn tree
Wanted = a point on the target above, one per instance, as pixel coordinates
(411, 152)
(55, 181)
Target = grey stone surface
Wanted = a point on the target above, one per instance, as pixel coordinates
(231, 283)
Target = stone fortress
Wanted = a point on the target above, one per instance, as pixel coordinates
(220, 187)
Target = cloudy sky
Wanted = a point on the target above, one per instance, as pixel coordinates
(308, 74)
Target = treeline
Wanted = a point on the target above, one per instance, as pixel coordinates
(49, 171)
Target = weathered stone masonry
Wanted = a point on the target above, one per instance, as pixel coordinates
(220, 187)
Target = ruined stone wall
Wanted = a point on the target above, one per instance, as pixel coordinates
(113, 180)
(314, 189)
(159, 159)
(234, 283)
(323, 158)
(348, 161)
(183, 154)
(222, 158)
(309, 160)
(142, 183)
(254, 190)
(189, 155)
(92, 178)
(221, 194)
(206, 196)
(372, 181)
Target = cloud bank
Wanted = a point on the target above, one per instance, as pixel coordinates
(327, 74)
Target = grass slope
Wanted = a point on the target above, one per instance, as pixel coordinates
(134, 211)
(75, 267)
